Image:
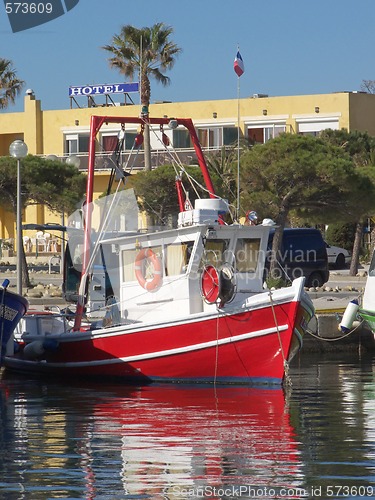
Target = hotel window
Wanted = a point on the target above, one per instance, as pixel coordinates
(76, 143)
(109, 142)
(129, 139)
(314, 128)
(210, 137)
(181, 139)
(262, 134)
(230, 135)
(217, 136)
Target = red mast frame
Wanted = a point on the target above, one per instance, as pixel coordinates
(95, 125)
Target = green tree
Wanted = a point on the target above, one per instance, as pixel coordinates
(297, 174)
(341, 235)
(222, 166)
(144, 52)
(57, 185)
(157, 193)
(10, 85)
(361, 148)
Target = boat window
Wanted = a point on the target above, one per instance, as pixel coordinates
(77, 254)
(177, 257)
(128, 260)
(216, 252)
(247, 254)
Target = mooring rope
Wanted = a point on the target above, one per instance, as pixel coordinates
(287, 379)
(217, 347)
(330, 339)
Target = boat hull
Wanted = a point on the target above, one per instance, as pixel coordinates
(366, 311)
(248, 346)
(369, 318)
(12, 308)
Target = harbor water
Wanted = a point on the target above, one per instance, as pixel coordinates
(97, 440)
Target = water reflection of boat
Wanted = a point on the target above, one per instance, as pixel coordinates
(207, 433)
(184, 304)
(157, 440)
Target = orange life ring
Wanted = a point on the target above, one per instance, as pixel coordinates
(139, 268)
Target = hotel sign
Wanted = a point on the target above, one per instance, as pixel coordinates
(114, 88)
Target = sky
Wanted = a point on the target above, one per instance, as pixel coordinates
(289, 47)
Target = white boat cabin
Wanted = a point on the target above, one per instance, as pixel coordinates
(158, 275)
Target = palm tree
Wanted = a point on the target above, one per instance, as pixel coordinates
(145, 52)
(10, 85)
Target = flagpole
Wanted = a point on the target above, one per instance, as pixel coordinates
(239, 69)
(238, 148)
(140, 70)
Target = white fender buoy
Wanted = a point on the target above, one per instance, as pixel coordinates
(33, 350)
(349, 316)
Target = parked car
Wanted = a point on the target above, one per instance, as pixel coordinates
(303, 253)
(338, 257)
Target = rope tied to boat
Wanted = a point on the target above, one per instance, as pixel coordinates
(332, 339)
(287, 379)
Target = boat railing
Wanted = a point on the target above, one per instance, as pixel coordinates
(38, 324)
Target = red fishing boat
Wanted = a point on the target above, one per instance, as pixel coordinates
(185, 304)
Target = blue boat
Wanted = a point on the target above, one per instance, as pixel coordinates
(12, 308)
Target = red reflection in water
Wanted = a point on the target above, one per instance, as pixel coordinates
(168, 441)
(178, 439)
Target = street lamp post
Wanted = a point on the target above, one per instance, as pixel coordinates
(75, 161)
(18, 149)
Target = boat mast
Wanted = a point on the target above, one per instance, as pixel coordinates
(95, 125)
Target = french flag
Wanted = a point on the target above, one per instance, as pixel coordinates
(238, 67)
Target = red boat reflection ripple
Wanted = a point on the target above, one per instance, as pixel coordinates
(180, 440)
(169, 441)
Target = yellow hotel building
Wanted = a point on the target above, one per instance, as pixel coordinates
(65, 132)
